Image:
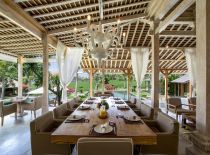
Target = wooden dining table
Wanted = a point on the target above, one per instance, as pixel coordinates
(69, 133)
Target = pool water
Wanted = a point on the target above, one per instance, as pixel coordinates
(121, 94)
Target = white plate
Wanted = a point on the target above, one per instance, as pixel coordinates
(123, 107)
(84, 107)
(75, 117)
(103, 129)
(132, 118)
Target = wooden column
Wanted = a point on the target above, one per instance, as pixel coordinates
(201, 138)
(174, 89)
(182, 89)
(155, 67)
(45, 104)
(190, 90)
(76, 84)
(20, 76)
(91, 82)
(128, 84)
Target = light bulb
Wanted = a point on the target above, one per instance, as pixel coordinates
(88, 17)
(123, 34)
(75, 29)
(118, 21)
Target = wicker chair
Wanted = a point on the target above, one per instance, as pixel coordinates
(33, 105)
(41, 129)
(7, 108)
(167, 131)
(192, 103)
(174, 105)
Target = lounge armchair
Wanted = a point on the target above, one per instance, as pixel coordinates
(167, 131)
(174, 105)
(32, 104)
(144, 111)
(61, 112)
(41, 129)
(7, 108)
(105, 146)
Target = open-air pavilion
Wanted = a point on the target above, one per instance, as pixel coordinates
(30, 31)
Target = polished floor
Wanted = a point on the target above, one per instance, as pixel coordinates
(15, 136)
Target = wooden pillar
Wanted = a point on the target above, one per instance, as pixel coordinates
(76, 84)
(201, 138)
(166, 85)
(155, 68)
(182, 89)
(20, 76)
(174, 89)
(178, 89)
(45, 104)
(190, 90)
(91, 82)
(128, 84)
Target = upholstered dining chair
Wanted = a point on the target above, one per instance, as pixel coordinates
(62, 112)
(144, 111)
(7, 108)
(41, 129)
(167, 131)
(105, 146)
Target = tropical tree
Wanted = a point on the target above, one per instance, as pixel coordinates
(33, 71)
(8, 72)
(55, 87)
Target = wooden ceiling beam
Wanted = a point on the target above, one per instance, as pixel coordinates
(86, 7)
(185, 4)
(14, 13)
(105, 22)
(178, 33)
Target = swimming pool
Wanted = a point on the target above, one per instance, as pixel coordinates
(121, 94)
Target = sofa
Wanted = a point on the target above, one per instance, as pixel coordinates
(41, 129)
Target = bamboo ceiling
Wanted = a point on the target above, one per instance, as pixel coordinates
(59, 17)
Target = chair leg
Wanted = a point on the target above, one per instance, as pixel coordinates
(176, 117)
(2, 120)
(16, 115)
(34, 113)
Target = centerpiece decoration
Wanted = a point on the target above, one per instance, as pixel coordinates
(103, 106)
(103, 103)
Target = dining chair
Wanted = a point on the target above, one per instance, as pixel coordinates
(167, 131)
(41, 129)
(105, 146)
(62, 112)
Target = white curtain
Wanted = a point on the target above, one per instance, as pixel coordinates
(190, 55)
(68, 59)
(139, 61)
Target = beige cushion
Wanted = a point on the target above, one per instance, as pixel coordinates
(105, 146)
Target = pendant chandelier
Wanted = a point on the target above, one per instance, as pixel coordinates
(101, 40)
